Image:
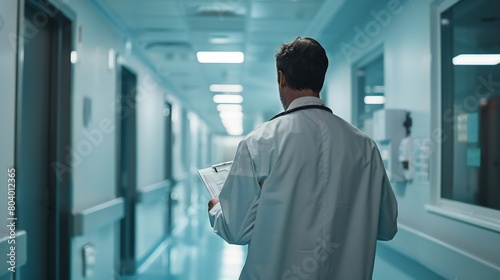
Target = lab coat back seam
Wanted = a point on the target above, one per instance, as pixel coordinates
(323, 164)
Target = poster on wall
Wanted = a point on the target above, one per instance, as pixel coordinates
(421, 160)
(462, 128)
(468, 128)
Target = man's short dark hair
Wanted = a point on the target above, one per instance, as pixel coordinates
(303, 62)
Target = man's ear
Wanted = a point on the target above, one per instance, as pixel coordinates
(281, 79)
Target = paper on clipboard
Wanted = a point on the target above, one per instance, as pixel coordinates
(214, 177)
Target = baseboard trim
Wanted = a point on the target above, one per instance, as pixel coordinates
(440, 257)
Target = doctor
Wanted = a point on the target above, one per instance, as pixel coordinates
(307, 191)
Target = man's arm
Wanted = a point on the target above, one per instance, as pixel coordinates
(387, 223)
(232, 216)
(388, 209)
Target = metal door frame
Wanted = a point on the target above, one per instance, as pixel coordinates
(127, 234)
(59, 191)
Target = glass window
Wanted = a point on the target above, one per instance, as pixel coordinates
(369, 97)
(470, 51)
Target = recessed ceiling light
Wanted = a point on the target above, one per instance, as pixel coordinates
(371, 100)
(476, 59)
(226, 88)
(231, 115)
(227, 98)
(220, 57)
(235, 133)
(234, 130)
(233, 121)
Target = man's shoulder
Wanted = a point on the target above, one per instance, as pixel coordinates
(263, 130)
(279, 127)
(352, 132)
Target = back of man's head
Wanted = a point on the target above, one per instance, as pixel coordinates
(303, 62)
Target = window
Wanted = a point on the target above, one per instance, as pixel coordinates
(470, 53)
(369, 89)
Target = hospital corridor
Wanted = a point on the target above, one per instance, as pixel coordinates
(120, 120)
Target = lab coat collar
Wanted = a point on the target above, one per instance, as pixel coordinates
(304, 101)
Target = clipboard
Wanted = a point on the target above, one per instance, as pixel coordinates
(213, 177)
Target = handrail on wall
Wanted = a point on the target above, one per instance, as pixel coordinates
(154, 191)
(181, 177)
(97, 216)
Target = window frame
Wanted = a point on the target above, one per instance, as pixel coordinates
(476, 215)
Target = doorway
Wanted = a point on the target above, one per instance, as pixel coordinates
(126, 166)
(489, 185)
(43, 126)
(169, 142)
(368, 92)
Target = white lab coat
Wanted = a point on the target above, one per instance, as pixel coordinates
(309, 195)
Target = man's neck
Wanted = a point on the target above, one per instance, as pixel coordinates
(292, 94)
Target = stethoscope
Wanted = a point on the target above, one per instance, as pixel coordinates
(302, 108)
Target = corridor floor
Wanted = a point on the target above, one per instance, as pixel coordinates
(194, 252)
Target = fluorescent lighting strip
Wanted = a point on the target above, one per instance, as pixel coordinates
(226, 88)
(476, 59)
(229, 107)
(227, 98)
(234, 131)
(220, 57)
(231, 115)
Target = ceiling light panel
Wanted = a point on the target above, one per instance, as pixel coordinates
(231, 115)
(220, 57)
(229, 107)
(227, 98)
(226, 88)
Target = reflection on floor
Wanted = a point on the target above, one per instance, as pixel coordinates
(194, 252)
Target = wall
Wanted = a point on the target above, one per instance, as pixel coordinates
(450, 248)
(94, 176)
(225, 147)
(339, 86)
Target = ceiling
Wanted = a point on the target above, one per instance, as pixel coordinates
(171, 32)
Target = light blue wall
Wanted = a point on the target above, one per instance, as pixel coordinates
(94, 176)
(8, 29)
(450, 248)
(150, 131)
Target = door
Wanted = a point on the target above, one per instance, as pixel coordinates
(169, 142)
(126, 167)
(42, 133)
(490, 154)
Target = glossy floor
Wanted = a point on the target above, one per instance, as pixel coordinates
(194, 252)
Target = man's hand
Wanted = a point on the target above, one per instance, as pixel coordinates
(212, 202)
